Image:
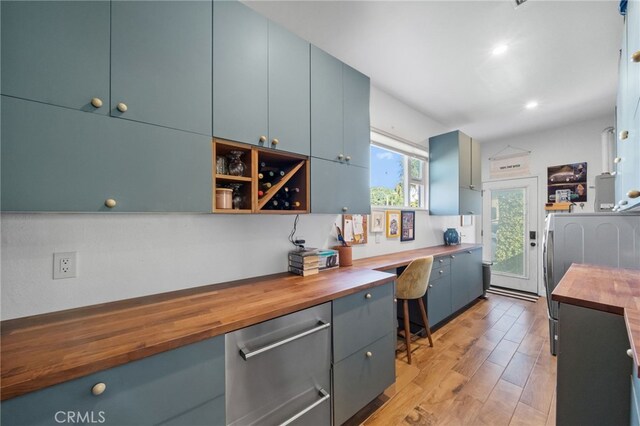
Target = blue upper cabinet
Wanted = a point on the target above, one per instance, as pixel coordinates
(57, 52)
(357, 129)
(326, 106)
(240, 73)
(289, 97)
(454, 173)
(58, 159)
(161, 63)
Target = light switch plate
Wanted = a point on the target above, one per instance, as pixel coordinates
(65, 265)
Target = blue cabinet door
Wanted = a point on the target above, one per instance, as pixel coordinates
(326, 106)
(161, 63)
(240, 61)
(443, 174)
(289, 96)
(439, 299)
(459, 281)
(186, 384)
(326, 186)
(357, 129)
(355, 189)
(57, 52)
(58, 159)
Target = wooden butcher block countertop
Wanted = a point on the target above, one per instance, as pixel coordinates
(605, 289)
(403, 258)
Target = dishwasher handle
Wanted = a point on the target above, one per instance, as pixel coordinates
(249, 354)
(325, 396)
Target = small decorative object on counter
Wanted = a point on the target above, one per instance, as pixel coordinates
(223, 198)
(238, 198)
(304, 262)
(451, 237)
(236, 166)
(345, 255)
(329, 259)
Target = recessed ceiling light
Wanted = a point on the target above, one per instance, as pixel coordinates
(500, 49)
(531, 105)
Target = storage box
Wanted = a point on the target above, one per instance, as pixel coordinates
(328, 259)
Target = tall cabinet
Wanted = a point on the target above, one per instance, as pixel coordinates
(627, 184)
(454, 175)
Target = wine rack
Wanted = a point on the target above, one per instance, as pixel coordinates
(273, 182)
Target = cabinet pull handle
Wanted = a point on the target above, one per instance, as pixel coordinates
(623, 202)
(624, 134)
(249, 354)
(348, 158)
(430, 285)
(470, 212)
(629, 353)
(340, 157)
(617, 160)
(635, 57)
(344, 209)
(122, 107)
(367, 296)
(441, 272)
(453, 256)
(395, 300)
(471, 186)
(469, 251)
(440, 260)
(634, 193)
(98, 388)
(96, 102)
(110, 202)
(262, 139)
(321, 392)
(275, 142)
(369, 354)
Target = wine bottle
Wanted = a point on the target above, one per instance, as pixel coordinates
(281, 172)
(260, 176)
(266, 185)
(296, 204)
(260, 193)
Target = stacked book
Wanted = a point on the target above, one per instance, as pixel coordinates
(304, 262)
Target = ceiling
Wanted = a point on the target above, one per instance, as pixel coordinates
(436, 56)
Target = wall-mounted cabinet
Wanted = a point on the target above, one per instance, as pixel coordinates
(271, 181)
(59, 159)
(627, 184)
(340, 125)
(454, 175)
(260, 81)
(44, 63)
(339, 188)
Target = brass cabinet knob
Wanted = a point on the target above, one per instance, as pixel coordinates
(624, 134)
(96, 102)
(635, 57)
(617, 160)
(340, 157)
(369, 354)
(344, 209)
(122, 107)
(367, 296)
(348, 158)
(634, 193)
(262, 139)
(111, 203)
(629, 353)
(275, 142)
(98, 388)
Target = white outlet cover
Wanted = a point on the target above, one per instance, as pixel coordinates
(65, 265)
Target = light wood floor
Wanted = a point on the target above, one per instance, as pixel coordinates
(489, 366)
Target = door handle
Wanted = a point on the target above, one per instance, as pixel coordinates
(533, 244)
(248, 354)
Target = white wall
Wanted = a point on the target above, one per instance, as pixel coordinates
(574, 143)
(127, 255)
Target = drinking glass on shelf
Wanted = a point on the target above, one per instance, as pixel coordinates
(221, 165)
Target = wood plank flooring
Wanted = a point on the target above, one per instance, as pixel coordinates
(489, 366)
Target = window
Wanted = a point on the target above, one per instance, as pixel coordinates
(398, 173)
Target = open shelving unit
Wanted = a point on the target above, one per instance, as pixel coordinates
(257, 197)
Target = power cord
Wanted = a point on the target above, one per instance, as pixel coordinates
(292, 236)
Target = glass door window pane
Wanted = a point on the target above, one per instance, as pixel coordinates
(508, 219)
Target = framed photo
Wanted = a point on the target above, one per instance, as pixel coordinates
(377, 221)
(408, 230)
(393, 223)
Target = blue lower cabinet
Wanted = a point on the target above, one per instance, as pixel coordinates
(58, 159)
(362, 376)
(181, 386)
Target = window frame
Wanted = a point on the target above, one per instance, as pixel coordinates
(378, 141)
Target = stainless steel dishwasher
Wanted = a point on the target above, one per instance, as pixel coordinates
(279, 371)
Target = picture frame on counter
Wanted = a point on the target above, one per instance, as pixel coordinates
(408, 225)
(377, 221)
(393, 223)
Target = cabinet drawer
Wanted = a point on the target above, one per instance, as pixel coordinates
(269, 365)
(360, 319)
(358, 379)
(441, 261)
(211, 413)
(148, 391)
(439, 272)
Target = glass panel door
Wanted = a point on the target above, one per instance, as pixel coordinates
(508, 239)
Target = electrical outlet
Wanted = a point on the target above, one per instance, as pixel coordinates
(65, 265)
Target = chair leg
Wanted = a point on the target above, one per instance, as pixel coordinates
(425, 319)
(407, 332)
